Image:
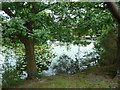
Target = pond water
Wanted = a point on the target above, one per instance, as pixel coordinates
(72, 51)
(58, 49)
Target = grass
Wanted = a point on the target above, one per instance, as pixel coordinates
(79, 80)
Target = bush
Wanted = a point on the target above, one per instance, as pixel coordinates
(11, 77)
(13, 74)
(66, 65)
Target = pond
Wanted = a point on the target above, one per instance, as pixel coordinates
(58, 49)
(71, 51)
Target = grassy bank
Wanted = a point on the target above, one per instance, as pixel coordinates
(79, 80)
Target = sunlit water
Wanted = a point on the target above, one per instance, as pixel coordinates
(71, 50)
(58, 49)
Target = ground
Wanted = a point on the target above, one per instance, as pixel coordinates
(78, 80)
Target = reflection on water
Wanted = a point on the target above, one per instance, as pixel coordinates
(58, 49)
(71, 51)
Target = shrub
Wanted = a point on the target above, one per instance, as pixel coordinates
(66, 65)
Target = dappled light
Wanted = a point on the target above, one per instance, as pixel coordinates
(59, 45)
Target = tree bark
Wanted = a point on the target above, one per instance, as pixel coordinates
(116, 13)
(30, 57)
(118, 56)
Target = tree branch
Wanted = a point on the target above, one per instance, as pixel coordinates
(114, 10)
(47, 7)
(8, 12)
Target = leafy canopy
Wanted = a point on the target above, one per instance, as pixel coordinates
(66, 21)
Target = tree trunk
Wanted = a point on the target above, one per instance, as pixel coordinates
(30, 58)
(116, 13)
(118, 56)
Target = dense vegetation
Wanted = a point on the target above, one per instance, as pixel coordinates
(29, 25)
